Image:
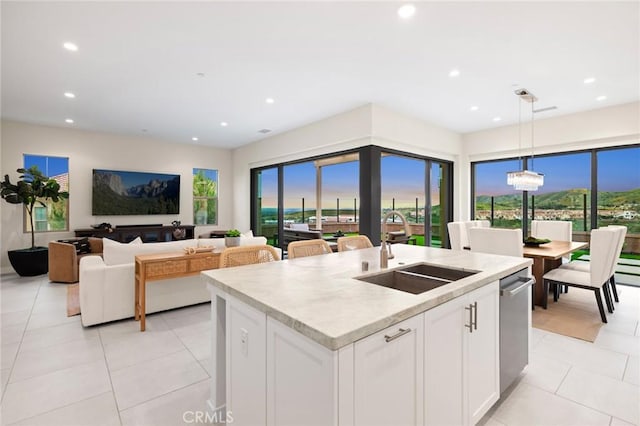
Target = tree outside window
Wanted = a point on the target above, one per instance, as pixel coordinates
(50, 216)
(205, 197)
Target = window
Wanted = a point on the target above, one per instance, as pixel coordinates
(52, 216)
(349, 191)
(619, 188)
(205, 197)
(265, 205)
(566, 192)
(591, 188)
(494, 200)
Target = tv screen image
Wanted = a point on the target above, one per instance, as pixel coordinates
(134, 193)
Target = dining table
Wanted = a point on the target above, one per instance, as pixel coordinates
(546, 257)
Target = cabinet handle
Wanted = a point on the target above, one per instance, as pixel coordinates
(401, 332)
(470, 325)
(475, 315)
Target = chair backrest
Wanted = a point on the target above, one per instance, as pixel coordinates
(506, 242)
(356, 242)
(556, 230)
(458, 235)
(622, 234)
(308, 248)
(459, 232)
(602, 254)
(299, 226)
(247, 255)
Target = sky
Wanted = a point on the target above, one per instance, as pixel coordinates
(403, 178)
(49, 166)
(619, 170)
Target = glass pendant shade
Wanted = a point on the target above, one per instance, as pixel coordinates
(525, 180)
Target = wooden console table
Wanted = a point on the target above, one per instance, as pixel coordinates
(162, 266)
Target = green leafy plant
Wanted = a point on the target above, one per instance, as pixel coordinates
(32, 188)
(232, 233)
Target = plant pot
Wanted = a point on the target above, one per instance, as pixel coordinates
(30, 262)
(231, 241)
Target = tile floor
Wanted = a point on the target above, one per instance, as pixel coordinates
(55, 372)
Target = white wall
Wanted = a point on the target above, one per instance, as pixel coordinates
(89, 150)
(612, 126)
(365, 125)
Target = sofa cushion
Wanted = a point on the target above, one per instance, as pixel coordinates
(81, 245)
(115, 253)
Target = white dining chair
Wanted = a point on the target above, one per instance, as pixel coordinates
(457, 235)
(506, 242)
(580, 265)
(603, 244)
(555, 230)
(459, 232)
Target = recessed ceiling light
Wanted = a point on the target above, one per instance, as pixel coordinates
(68, 120)
(195, 139)
(269, 100)
(497, 118)
(224, 123)
(474, 108)
(200, 74)
(601, 98)
(406, 11)
(454, 73)
(70, 46)
(69, 95)
(589, 80)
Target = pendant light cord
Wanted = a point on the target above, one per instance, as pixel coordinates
(532, 140)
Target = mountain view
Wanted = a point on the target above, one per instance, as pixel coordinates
(113, 195)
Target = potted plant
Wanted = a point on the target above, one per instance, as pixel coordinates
(232, 238)
(32, 188)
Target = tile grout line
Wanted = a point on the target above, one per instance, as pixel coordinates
(58, 408)
(164, 394)
(580, 403)
(15, 357)
(106, 364)
(187, 348)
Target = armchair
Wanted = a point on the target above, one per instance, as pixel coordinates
(64, 258)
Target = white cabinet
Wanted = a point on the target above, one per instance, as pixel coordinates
(437, 368)
(388, 376)
(461, 369)
(302, 378)
(245, 355)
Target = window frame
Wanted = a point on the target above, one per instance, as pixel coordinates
(25, 216)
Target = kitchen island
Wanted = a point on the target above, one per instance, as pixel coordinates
(304, 341)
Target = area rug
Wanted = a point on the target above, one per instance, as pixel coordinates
(575, 314)
(73, 300)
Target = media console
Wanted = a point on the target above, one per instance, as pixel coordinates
(148, 233)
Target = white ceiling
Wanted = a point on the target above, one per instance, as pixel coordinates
(137, 63)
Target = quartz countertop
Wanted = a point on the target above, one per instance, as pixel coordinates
(319, 297)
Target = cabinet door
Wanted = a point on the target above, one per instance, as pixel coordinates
(444, 337)
(388, 376)
(483, 354)
(302, 386)
(246, 352)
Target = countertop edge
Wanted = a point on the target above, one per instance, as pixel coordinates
(337, 342)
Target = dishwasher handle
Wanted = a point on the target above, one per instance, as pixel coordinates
(518, 286)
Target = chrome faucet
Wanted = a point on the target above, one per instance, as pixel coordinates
(385, 247)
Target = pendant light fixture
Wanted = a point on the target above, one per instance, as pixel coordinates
(525, 180)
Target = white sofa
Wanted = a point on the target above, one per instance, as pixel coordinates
(107, 283)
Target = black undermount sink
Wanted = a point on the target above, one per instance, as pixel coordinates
(417, 278)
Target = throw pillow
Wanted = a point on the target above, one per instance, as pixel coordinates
(248, 234)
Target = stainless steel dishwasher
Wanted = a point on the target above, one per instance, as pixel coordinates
(515, 308)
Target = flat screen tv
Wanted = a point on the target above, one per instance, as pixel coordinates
(134, 193)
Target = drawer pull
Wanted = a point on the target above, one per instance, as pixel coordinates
(401, 332)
